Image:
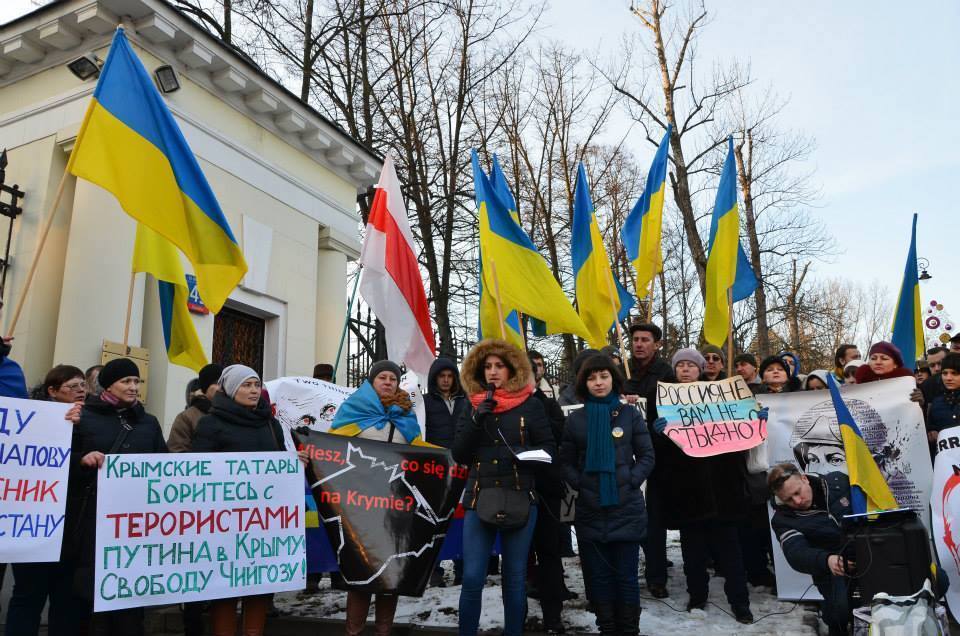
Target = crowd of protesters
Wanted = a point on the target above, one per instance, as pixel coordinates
(633, 483)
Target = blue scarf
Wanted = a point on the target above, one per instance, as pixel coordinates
(600, 454)
(364, 409)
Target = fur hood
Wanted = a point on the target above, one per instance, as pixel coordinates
(471, 371)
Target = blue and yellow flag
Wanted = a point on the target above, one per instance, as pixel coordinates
(869, 491)
(907, 322)
(727, 266)
(489, 326)
(158, 257)
(130, 145)
(598, 300)
(643, 229)
(526, 283)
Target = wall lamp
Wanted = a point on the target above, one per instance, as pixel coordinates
(86, 67)
(167, 79)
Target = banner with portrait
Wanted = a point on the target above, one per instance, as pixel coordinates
(803, 430)
(945, 511)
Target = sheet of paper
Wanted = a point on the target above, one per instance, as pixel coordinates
(535, 456)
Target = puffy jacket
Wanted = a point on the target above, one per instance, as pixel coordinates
(634, 457)
(99, 427)
(944, 411)
(232, 428)
(808, 537)
(478, 442)
(441, 422)
(549, 477)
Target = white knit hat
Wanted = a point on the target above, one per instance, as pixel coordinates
(235, 375)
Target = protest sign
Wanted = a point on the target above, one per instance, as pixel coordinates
(945, 510)
(34, 466)
(191, 527)
(305, 402)
(710, 418)
(803, 431)
(386, 507)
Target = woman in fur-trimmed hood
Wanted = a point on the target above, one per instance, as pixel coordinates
(503, 419)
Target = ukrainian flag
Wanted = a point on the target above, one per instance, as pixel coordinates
(869, 491)
(158, 257)
(489, 326)
(593, 280)
(642, 231)
(727, 266)
(526, 283)
(130, 145)
(907, 324)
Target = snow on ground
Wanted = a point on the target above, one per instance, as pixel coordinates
(438, 606)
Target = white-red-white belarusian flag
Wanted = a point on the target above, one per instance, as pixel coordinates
(391, 282)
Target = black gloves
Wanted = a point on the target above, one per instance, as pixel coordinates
(484, 409)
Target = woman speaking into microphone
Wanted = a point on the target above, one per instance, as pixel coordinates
(504, 421)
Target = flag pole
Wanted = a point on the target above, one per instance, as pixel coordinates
(346, 324)
(36, 255)
(730, 332)
(616, 322)
(126, 321)
(496, 293)
(653, 286)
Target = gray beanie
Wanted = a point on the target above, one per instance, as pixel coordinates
(235, 375)
(384, 365)
(689, 355)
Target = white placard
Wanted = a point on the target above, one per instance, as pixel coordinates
(945, 510)
(802, 429)
(194, 526)
(34, 467)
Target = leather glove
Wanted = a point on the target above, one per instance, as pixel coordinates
(659, 424)
(484, 409)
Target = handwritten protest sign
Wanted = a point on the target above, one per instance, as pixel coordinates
(190, 527)
(34, 465)
(710, 418)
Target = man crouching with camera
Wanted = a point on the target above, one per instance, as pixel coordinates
(807, 519)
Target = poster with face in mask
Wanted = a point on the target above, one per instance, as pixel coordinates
(802, 430)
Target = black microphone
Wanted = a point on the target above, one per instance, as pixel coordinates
(490, 389)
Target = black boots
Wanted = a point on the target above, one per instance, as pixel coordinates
(606, 618)
(628, 620)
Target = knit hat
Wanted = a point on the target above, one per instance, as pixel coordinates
(773, 360)
(384, 365)
(235, 375)
(749, 358)
(713, 349)
(117, 369)
(209, 375)
(889, 349)
(688, 355)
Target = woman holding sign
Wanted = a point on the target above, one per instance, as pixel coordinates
(606, 455)
(112, 422)
(505, 422)
(239, 421)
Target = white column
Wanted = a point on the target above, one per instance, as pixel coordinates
(335, 249)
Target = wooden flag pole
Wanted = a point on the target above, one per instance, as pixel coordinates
(653, 285)
(616, 321)
(36, 255)
(496, 294)
(126, 321)
(730, 332)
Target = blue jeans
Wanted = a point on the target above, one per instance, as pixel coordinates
(613, 571)
(478, 538)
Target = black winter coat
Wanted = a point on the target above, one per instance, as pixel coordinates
(634, 456)
(478, 445)
(232, 428)
(99, 427)
(944, 411)
(643, 379)
(441, 424)
(808, 537)
(549, 477)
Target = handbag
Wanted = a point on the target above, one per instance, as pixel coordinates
(505, 508)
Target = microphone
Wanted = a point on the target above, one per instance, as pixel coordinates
(490, 389)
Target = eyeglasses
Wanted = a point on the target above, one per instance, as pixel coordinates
(74, 386)
(711, 357)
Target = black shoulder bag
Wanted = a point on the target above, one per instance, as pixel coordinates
(501, 506)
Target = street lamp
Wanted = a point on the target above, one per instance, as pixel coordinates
(924, 264)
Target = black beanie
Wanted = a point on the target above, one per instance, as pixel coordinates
(209, 374)
(384, 365)
(117, 369)
(773, 360)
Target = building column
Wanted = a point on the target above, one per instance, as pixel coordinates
(335, 249)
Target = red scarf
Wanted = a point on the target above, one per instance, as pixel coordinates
(506, 400)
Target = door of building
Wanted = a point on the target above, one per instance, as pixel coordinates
(238, 339)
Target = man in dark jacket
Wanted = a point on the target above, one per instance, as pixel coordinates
(715, 359)
(808, 510)
(647, 368)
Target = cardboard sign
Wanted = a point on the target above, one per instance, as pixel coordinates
(710, 418)
(34, 467)
(945, 510)
(190, 527)
(385, 507)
